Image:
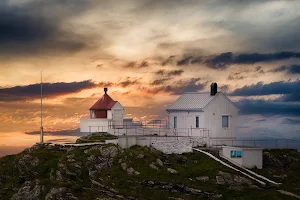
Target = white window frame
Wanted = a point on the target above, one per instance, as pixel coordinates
(228, 124)
(197, 116)
(175, 121)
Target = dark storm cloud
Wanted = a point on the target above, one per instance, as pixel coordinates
(50, 90)
(294, 97)
(291, 121)
(291, 69)
(280, 87)
(267, 108)
(180, 87)
(34, 28)
(224, 60)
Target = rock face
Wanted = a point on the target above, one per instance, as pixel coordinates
(175, 188)
(29, 191)
(60, 193)
(26, 166)
(232, 180)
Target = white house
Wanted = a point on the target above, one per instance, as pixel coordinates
(192, 113)
(104, 114)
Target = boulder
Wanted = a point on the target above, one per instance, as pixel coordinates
(202, 178)
(172, 171)
(159, 162)
(153, 166)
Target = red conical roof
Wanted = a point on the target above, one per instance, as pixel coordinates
(104, 103)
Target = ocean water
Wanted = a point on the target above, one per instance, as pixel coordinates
(15, 142)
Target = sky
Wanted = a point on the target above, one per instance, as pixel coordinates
(148, 53)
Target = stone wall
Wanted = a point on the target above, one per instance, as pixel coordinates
(173, 146)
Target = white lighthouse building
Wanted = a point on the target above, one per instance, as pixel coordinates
(104, 114)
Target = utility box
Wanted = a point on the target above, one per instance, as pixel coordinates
(248, 157)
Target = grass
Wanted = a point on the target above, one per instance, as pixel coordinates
(189, 166)
(96, 137)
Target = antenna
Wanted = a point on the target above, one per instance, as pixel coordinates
(42, 134)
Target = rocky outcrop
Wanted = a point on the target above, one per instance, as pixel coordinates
(29, 191)
(26, 167)
(176, 188)
(60, 193)
(232, 180)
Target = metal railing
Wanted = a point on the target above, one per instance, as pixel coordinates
(258, 143)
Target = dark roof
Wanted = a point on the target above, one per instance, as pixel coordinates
(104, 103)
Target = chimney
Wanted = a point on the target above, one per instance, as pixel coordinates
(213, 89)
(105, 90)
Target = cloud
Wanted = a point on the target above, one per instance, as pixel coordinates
(291, 121)
(230, 77)
(224, 60)
(260, 88)
(291, 69)
(267, 108)
(180, 87)
(160, 81)
(134, 64)
(185, 61)
(128, 82)
(294, 97)
(50, 90)
(39, 31)
(75, 132)
(169, 73)
(169, 60)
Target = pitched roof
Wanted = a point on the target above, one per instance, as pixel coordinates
(193, 101)
(104, 103)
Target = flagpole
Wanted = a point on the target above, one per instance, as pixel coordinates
(42, 136)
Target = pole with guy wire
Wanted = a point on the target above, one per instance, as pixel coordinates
(42, 134)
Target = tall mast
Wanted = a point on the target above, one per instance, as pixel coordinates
(42, 136)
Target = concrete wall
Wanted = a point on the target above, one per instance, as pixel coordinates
(251, 157)
(213, 117)
(118, 115)
(226, 152)
(93, 125)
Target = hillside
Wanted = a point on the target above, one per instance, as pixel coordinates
(109, 172)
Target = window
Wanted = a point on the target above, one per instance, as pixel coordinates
(225, 121)
(175, 122)
(235, 154)
(197, 121)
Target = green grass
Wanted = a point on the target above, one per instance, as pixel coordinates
(97, 137)
(189, 166)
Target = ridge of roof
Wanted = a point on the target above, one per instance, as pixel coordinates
(104, 103)
(184, 102)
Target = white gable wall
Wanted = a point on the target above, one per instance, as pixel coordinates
(213, 112)
(186, 120)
